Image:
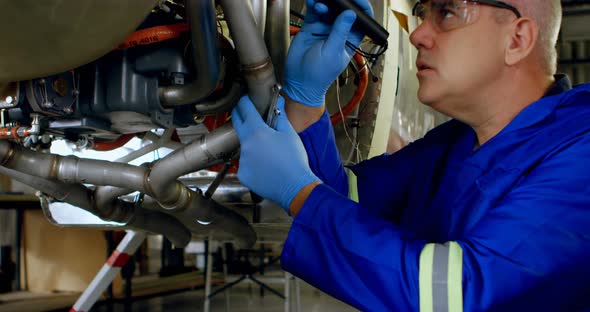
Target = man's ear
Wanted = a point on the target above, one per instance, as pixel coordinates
(522, 40)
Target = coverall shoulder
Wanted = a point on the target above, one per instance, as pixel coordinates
(441, 226)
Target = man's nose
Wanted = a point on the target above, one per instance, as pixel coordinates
(423, 35)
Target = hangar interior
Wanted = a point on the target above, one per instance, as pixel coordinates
(118, 185)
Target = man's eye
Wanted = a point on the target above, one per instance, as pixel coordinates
(446, 13)
(420, 12)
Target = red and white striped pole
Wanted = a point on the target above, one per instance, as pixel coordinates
(109, 270)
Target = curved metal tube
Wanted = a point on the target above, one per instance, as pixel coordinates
(75, 194)
(224, 104)
(98, 172)
(277, 34)
(245, 34)
(229, 191)
(223, 219)
(72, 169)
(252, 53)
(259, 9)
(221, 144)
(213, 148)
(162, 223)
(178, 199)
(107, 203)
(105, 199)
(205, 53)
(173, 195)
(123, 212)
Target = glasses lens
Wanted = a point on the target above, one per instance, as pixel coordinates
(446, 15)
(420, 12)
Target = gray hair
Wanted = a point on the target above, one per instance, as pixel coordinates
(547, 14)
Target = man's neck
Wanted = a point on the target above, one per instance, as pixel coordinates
(506, 102)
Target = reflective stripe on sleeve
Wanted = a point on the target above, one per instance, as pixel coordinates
(441, 277)
(353, 193)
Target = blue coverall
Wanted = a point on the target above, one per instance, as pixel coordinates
(441, 226)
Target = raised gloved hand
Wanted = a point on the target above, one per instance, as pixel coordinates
(319, 53)
(273, 163)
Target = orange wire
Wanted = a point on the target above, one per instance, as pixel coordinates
(153, 35)
(10, 133)
(111, 145)
(359, 93)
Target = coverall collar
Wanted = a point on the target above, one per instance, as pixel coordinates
(531, 115)
(541, 109)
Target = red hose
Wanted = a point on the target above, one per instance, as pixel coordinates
(103, 146)
(359, 93)
(153, 35)
(10, 133)
(361, 88)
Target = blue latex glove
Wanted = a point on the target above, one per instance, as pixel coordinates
(273, 163)
(314, 62)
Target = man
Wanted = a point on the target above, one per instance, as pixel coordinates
(490, 211)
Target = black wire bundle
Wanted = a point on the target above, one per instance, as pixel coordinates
(297, 14)
(371, 57)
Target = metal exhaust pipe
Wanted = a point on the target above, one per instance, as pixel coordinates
(122, 212)
(205, 54)
(277, 34)
(216, 147)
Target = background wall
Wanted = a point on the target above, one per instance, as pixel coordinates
(574, 42)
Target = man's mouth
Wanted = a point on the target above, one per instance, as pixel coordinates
(422, 66)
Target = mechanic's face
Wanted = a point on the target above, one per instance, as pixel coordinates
(457, 66)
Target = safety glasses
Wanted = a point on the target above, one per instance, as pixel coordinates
(446, 15)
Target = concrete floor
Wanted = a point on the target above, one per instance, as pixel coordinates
(242, 298)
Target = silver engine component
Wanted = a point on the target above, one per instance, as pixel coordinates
(169, 84)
